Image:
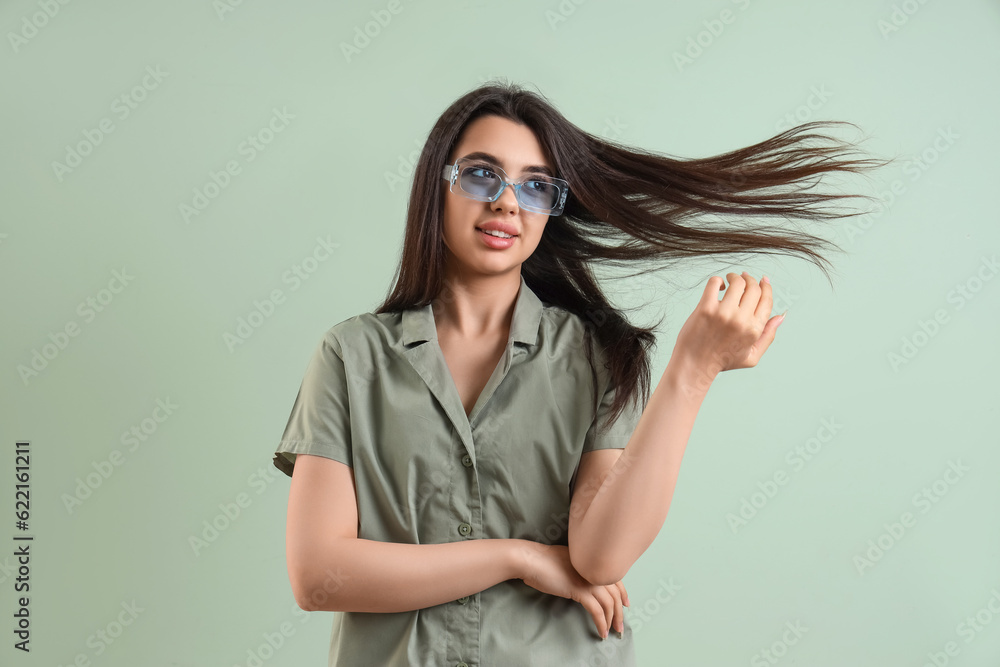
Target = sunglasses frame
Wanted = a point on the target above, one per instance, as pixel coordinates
(451, 174)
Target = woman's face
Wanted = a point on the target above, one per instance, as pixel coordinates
(469, 251)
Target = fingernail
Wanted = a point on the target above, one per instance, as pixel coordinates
(782, 320)
(765, 279)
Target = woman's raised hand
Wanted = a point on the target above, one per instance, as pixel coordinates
(549, 570)
(730, 333)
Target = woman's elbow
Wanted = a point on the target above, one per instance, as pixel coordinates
(319, 591)
(594, 570)
(302, 590)
(602, 576)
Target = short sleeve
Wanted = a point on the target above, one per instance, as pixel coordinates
(320, 421)
(618, 434)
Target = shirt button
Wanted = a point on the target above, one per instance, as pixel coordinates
(463, 600)
(464, 528)
(467, 460)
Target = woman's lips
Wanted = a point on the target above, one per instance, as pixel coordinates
(496, 242)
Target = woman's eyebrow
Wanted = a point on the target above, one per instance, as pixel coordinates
(533, 168)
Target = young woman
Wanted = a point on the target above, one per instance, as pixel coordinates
(477, 464)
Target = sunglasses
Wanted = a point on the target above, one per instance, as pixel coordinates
(486, 182)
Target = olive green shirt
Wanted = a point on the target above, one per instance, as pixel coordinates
(378, 396)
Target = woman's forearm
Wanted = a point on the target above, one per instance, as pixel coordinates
(630, 506)
(368, 575)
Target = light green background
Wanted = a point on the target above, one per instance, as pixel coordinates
(610, 68)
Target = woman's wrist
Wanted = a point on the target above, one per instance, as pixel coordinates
(691, 378)
(518, 557)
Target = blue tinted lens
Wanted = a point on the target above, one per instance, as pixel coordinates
(481, 181)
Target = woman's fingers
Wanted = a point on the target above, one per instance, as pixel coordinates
(621, 587)
(751, 293)
(605, 605)
(767, 337)
(607, 601)
(618, 621)
(611, 598)
(766, 302)
(731, 299)
(734, 331)
(596, 610)
(604, 608)
(710, 296)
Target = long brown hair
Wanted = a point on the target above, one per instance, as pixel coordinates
(625, 205)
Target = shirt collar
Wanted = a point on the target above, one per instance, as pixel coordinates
(418, 323)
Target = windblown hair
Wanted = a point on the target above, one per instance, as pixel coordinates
(626, 205)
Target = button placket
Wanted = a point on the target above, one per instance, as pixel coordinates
(466, 504)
